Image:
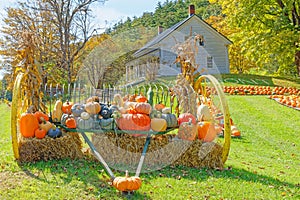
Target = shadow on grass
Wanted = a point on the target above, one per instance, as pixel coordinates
(90, 172)
(86, 171)
(229, 173)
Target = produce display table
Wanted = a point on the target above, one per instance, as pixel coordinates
(104, 143)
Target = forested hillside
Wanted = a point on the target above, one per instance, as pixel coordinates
(265, 36)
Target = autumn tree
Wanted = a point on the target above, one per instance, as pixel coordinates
(269, 32)
(239, 63)
(18, 21)
(63, 26)
(106, 63)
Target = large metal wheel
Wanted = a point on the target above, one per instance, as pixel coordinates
(16, 103)
(211, 93)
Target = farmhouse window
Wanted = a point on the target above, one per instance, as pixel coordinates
(209, 62)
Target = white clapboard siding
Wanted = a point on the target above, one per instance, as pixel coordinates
(215, 46)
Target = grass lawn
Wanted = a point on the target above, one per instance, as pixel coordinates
(263, 164)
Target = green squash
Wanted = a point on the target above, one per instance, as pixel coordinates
(85, 123)
(107, 124)
(171, 120)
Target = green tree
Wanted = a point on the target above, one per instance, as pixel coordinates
(269, 32)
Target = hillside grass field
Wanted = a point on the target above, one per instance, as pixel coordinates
(263, 164)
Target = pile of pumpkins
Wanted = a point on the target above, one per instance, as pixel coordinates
(37, 124)
(90, 115)
(292, 101)
(132, 114)
(135, 113)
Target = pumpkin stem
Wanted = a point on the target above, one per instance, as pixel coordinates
(190, 121)
(43, 120)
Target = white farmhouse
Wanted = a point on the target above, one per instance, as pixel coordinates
(157, 57)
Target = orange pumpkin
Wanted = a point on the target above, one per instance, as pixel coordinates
(159, 106)
(28, 124)
(131, 110)
(187, 131)
(127, 183)
(71, 122)
(40, 133)
(134, 122)
(140, 98)
(185, 117)
(39, 114)
(143, 108)
(206, 131)
(66, 107)
(235, 132)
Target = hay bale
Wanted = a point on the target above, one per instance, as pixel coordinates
(67, 146)
(123, 151)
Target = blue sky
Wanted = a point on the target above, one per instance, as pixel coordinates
(110, 13)
(114, 10)
(107, 14)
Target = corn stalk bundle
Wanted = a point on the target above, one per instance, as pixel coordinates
(32, 79)
(186, 57)
(186, 95)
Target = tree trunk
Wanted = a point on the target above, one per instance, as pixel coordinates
(297, 62)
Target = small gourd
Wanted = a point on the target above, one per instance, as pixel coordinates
(54, 132)
(166, 110)
(118, 100)
(155, 114)
(64, 118)
(46, 125)
(57, 112)
(150, 95)
(235, 132)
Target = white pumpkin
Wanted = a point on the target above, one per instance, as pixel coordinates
(85, 115)
(203, 113)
